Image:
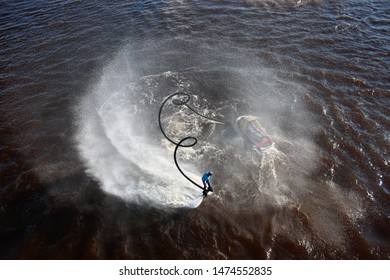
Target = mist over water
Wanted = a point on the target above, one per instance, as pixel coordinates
(87, 172)
(115, 139)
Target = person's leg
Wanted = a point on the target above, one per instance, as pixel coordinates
(204, 188)
(209, 188)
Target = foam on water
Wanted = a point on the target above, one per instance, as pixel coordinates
(120, 152)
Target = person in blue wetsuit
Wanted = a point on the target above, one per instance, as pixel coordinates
(206, 182)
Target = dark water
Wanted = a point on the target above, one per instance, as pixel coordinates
(76, 184)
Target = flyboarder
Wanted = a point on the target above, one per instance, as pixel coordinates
(206, 182)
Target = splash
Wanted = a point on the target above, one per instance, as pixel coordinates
(118, 146)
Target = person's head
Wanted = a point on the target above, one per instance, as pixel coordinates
(210, 173)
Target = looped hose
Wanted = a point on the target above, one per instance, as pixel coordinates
(182, 99)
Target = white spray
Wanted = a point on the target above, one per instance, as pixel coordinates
(118, 150)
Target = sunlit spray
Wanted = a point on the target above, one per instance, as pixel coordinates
(119, 151)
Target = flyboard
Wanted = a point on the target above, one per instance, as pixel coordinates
(206, 191)
(251, 129)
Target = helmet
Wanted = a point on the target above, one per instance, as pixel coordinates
(210, 173)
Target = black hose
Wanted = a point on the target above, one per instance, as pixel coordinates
(180, 102)
(175, 158)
